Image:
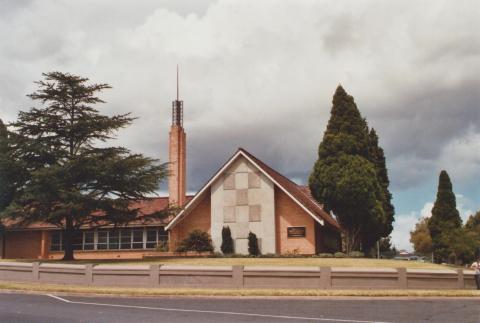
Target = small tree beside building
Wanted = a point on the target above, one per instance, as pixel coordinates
(253, 249)
(197, 240)
(227, 241)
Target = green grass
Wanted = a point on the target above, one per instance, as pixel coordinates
(326, 262)
(72, 289)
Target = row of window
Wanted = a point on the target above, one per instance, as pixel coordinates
(109, 239)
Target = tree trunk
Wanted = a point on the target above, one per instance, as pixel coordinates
(352, 243)
(68, 239)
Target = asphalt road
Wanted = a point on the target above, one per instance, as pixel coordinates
(45, 308)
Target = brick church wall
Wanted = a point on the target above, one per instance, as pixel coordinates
(290, 214)
(198, 218)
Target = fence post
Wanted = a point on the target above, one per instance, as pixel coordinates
(88, 274)
(36, 271)
(325, 277)
(237, 276)
(461, 281)
(155, 275)
(402, 278)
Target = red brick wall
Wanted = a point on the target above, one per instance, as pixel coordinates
(177, 166)
(198, 218)
(289, 214)
(23, 244)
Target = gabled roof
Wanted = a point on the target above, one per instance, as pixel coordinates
(300, 194)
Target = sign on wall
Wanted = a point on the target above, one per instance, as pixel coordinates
(296, 232)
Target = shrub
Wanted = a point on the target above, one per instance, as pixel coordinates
(325, 255)
(340, 255)
(196, 240)
(253, 245)
(270, 255)
(161, 247)
(227, 241)
(356, 254)
(294, 253)
(217, 255)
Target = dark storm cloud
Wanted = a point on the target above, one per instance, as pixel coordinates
(261, 75)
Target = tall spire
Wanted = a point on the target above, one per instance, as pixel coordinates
(177, 153)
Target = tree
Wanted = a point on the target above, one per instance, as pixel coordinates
(74, 180)
(12, 174)
(420, 238)
(445, 218)
(253, 249)
(472, 228)
(473, 223)
(345, 180)
(198, 241)
(227, 241)
(377, 157)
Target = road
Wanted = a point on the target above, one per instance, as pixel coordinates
(52, 308)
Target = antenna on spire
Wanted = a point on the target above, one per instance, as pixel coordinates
(177, 107)
(177, 84)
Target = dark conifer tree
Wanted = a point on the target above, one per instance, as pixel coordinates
(253, 249)
(12, 174)
(73, 180)
(377, 157)
(227, 241)
(445, 218)
(343, 177)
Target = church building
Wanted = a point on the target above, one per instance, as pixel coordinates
(245, 194)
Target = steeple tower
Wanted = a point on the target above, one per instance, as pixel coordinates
(177, 154)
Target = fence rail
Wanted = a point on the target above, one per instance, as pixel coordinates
(237, 276)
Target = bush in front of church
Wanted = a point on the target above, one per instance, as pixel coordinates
(198, 241)
(227, 241)
(253, 249)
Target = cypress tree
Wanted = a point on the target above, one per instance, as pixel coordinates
(445, 217)
(227, 241)
(346, 131)
(253, 249)
(344, 179)
(377, 157)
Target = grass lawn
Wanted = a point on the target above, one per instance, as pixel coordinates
(326, 262)
(72, 289)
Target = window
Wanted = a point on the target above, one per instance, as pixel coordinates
(102, 240)
(113, 239)
(108, 239)
(89, 240)
(126, 239)
(137, 241)
(162, 239)
(56, 241)
(77, 240)
(151, 238)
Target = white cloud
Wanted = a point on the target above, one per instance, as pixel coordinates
(261, 74)
(404, 223)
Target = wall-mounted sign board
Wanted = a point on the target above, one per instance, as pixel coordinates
(296, 232)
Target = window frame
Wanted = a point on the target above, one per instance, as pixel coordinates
(114, 238)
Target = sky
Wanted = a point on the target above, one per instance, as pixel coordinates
(261, 75)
